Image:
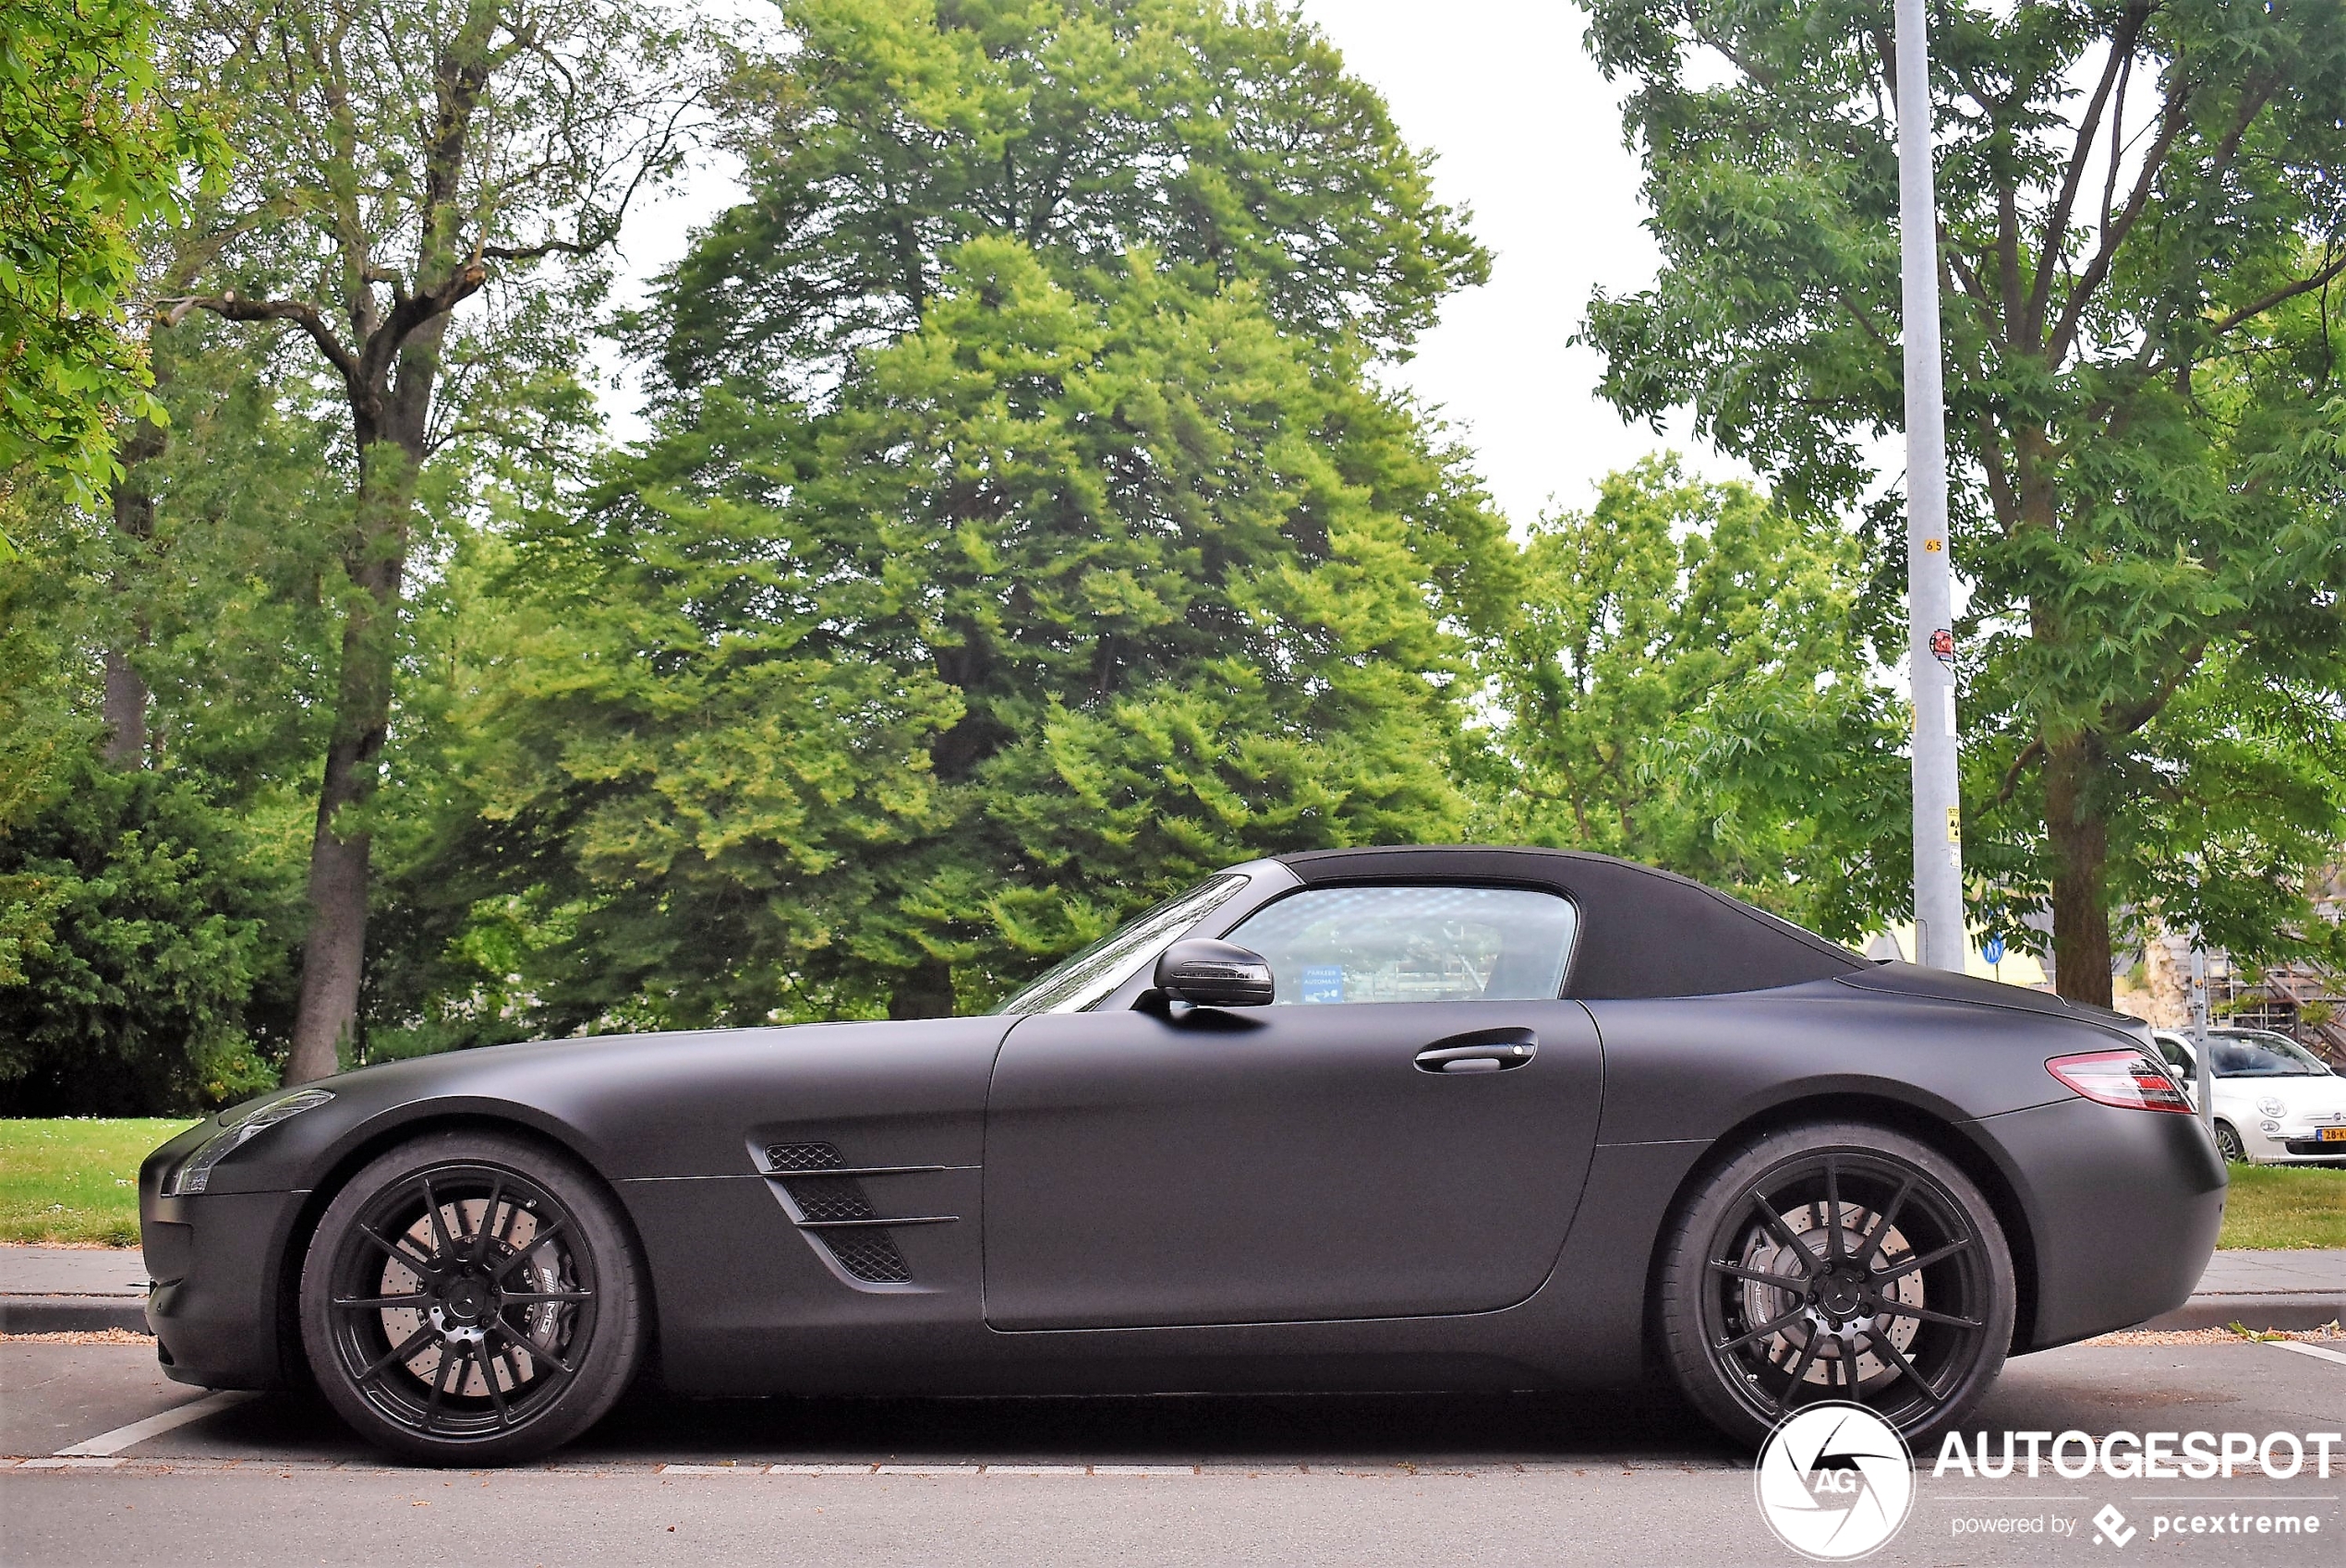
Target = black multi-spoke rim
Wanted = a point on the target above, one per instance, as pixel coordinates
(463, 1301)
(1846, 1275)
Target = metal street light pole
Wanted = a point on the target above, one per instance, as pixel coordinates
(1939, 937)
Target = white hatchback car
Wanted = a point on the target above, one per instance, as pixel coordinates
(2276, 1102)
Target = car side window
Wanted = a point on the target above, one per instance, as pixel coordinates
(1413, 944)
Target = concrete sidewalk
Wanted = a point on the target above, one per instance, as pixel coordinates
(49, 1289)
(72, 1289)
(2265, 1290)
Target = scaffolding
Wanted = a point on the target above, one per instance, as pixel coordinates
(2297, 1000)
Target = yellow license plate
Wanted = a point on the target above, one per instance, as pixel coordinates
(2333, 1135)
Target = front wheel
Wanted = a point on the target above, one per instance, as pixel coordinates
(1835, 1260)
(471, 1299)
(2229, 1144)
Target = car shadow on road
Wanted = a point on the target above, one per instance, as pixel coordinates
(650, 1427)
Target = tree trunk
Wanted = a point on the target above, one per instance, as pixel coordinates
(925, 992)
(124, 708)
(335, 954)
(2080, 837)
(125, 712)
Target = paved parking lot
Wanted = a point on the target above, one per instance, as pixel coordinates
(1191, 1480)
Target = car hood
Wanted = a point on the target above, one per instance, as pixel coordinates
(2304, 1096)
(678, 1103)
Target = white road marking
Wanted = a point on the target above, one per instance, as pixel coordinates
(1144, 1470)
(1038, 1470)
(818, 1469)
(2301, 1348)
(115, 1441)
(64, 1463)
(929, 1469)
(712, 1469)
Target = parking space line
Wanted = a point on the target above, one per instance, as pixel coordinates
(2301, 1348)
(712, 1469)
(927, 1470)
(115, 1441)
(62, 1463)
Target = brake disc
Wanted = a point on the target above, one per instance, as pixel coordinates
(514, 1366)
(1765, 1303)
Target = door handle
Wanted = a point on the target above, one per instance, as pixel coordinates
(1489, 1050)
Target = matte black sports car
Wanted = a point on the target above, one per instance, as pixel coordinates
(1412, 1119)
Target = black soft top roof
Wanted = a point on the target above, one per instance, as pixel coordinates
(1643, 932)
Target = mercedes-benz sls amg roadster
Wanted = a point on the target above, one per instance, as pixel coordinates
(1377, 1119)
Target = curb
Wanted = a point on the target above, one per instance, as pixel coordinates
(2274, 1310)
(72, 1314)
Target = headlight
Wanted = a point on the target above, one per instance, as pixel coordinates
(2269, 1106)
(193, 1176)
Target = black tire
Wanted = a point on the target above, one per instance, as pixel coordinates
(410, 1316)
(2229, 1143)
(1905, 1305)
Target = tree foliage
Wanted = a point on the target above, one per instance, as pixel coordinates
(1692, 683)
(90, 150)
(400, 160)
(2141, 231)
(1224, 137)
(150, 917)
(1023, 537)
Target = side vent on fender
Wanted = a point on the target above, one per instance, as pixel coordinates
(869, 1255)
(803, 1156)
(827, 1201)
(830, 1198)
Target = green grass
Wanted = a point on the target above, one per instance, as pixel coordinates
(2286, 1206)
(75, 1180)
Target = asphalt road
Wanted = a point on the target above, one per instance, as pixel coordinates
(1416, 1481)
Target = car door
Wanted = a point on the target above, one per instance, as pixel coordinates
(1404, 1131)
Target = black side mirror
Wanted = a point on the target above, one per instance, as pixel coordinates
(1206, 974)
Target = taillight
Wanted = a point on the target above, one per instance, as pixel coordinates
(2129, 1079)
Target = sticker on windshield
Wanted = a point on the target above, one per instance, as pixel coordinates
(1323, 983)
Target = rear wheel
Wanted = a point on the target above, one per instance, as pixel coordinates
(471, 1298)
(1835, 1260)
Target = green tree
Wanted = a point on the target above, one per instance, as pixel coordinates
(149, 918)
(1023, 535)
(90, 151)
(396, 161)
(2142, 223)
(1692, 683)
(1226, 136)
(143, 932)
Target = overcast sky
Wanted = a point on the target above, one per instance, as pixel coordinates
(1528, 135)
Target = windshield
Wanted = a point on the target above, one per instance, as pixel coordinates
(2262, 1054)
(1108, 962)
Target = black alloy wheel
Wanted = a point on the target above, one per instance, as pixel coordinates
(1837, 1261)
(469, 1299)
(2229, 1144)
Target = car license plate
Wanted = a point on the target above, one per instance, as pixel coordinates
(2334, 1135)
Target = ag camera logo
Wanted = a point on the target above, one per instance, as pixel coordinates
(1835, 1481)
